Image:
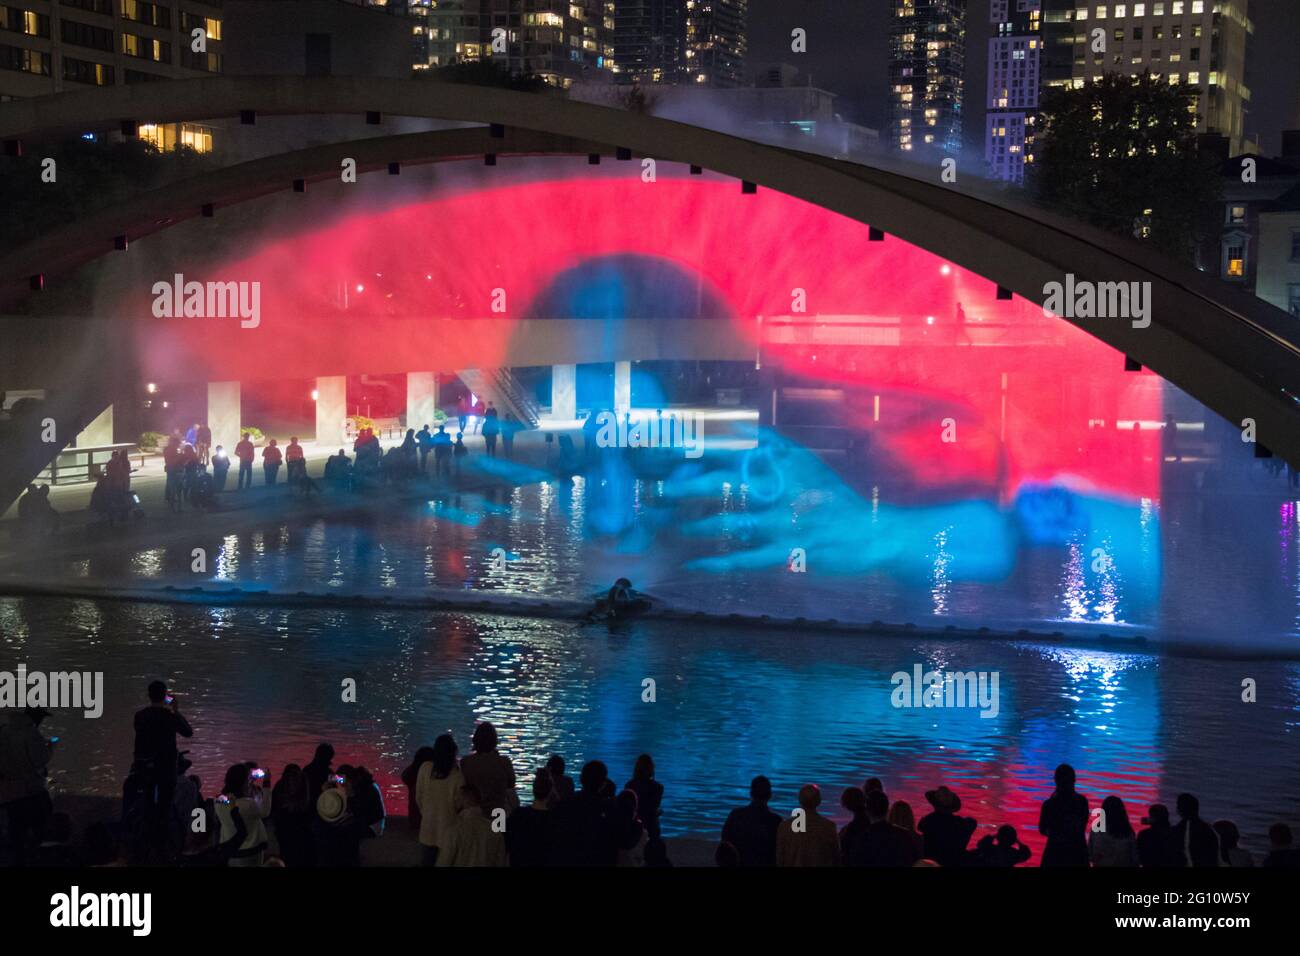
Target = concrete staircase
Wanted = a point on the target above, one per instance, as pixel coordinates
(499, 386)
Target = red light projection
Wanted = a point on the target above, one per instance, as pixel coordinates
(909, 338)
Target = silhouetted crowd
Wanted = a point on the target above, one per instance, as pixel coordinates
(466, 811)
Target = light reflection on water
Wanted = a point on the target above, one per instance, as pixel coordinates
(264, 684)
(1210, 571)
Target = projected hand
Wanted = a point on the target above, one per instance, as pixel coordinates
(793, 499)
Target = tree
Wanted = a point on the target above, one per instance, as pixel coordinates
(484, 73)
(1120, 149)
(91, 176)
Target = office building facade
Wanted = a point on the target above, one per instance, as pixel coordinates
(927, 74)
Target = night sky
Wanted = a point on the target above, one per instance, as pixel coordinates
(848, 51)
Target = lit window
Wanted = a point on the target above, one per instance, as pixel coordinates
(1235, 261)
(1236, 214)
(1139, 9)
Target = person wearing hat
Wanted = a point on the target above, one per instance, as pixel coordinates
(945, 833)
(24, 755)
(336, 828)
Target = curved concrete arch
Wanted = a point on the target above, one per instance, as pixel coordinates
(1236, 354)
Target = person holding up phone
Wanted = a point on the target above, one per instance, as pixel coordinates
(156, 727)
(243, 805)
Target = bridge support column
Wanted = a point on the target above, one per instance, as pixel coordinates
(421, 399)
(331, 409)
(622, 388)
(224, 415)
(564, 392)
(98, 432)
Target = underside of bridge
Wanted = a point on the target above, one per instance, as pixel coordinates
(815, 226)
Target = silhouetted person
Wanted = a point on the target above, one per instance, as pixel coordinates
(881, 843)
(441, 452)
(1281, 854)
(1193, 837)
(855, 802)
(220, 468)
(807, 839)
(409, 776)
(292, 810)
(1155, 844)
(530, 830)
(424, 441)
(271, 459)
(752, 829)
(491, 428)
(1116, 844)
(649, 794)
(156, 728)
(489, 772)
(509, 428)
(438, 788)
(585, 822)
(295, 460)
(1063, 819)
(946, 834)
(245, 452)
(901, 816)
(319, 770)
(1002, 850)
(336, 829)
(1230, 853)
(459, 451)
(338, 469)
(561, 783)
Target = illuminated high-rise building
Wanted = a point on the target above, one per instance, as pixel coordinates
(558, 40)
(1019, 63)
(926, 74)
(48, 47)
(1199, 42)
(717, 41)
(650, 41)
